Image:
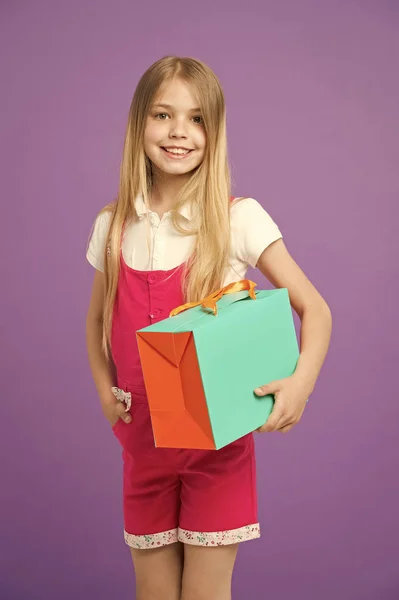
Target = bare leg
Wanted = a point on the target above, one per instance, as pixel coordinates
(159, 572)
(208, 571)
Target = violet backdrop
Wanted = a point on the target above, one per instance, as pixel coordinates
(313, 110)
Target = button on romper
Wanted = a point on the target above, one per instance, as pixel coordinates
(201, 497)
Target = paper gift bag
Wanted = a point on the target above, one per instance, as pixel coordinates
(202, 364)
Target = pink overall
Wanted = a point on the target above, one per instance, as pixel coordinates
(202, 497)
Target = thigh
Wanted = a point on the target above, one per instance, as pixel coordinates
(219, 496)
(159, 572)
(151, 484)
(208, 572)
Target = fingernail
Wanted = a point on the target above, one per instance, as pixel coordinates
(258, 391)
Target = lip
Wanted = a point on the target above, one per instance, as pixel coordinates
(177, 156)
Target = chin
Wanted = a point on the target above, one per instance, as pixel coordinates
(177, 169)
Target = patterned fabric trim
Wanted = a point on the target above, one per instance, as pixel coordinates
(220, 538)
(155, 540)
(122, 396)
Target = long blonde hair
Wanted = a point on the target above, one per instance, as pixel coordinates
(208, 189)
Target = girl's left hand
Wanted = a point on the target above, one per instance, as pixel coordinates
(290, 397)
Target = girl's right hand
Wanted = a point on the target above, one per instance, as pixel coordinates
(115, 411)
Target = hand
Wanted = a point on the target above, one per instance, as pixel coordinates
(114, 411)
(290, 397)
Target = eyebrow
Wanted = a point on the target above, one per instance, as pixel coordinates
(169, 106)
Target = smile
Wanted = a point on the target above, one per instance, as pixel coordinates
(176, 153)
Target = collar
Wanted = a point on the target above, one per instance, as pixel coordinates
(142, 209)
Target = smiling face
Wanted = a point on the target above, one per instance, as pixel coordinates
(174, 137)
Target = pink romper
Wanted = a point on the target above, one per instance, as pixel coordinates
(201, 497)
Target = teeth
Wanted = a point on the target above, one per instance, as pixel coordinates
(177, 151)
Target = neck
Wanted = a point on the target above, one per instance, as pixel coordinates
(165, 192)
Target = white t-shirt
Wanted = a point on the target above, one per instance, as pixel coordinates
(252, 231)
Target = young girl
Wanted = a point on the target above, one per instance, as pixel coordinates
(173, 235)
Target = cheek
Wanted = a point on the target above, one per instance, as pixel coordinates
(200, 139)
(152, 133)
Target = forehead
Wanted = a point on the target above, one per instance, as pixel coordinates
(177, 94)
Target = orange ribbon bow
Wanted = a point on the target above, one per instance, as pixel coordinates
(211, 300)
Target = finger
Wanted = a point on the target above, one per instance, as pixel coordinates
(275, 416)
(278, 413)
(121, 412)
(270, 388)
(284, 421)
(286, 428)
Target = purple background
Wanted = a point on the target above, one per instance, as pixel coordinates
(313, 107)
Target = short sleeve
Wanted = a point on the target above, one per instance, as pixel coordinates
(96, 248)
(252, 229)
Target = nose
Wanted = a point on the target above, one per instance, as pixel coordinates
(177, 129)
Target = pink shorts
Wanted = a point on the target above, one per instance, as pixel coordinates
(200, 497)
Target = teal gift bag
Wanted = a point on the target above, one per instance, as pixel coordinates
(201, 366)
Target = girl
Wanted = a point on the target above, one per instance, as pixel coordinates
(174, 235)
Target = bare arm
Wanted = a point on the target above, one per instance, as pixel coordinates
(282, 271)
(291, 393)
(103, 372)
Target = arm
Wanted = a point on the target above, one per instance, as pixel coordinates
(102, 371)
(281, 270)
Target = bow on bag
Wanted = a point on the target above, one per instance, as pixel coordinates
(210, 301)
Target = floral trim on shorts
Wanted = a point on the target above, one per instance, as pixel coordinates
(220, 538)
(155, 540)
(121, 396)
